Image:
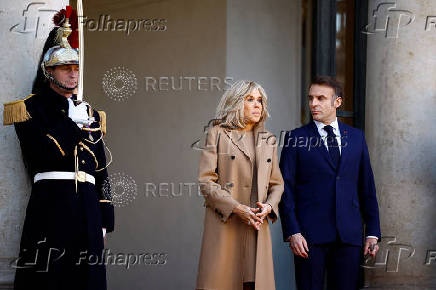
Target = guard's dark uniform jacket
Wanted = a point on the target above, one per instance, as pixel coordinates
(62, 241)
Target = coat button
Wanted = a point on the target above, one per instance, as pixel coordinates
(233, 157)
(83, 161)
(268, 160)
(81, 148)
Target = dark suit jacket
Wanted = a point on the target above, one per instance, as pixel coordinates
(319, 200)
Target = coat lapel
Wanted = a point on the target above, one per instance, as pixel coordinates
(345, 144)
(260, 144)
(259, 132)
(321, 148)
(260, 147)
(237, 141)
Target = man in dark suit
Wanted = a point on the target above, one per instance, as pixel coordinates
(329, 190)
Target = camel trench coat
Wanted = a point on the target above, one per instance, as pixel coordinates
(225, 177)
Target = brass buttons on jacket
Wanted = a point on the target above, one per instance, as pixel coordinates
(83, 161)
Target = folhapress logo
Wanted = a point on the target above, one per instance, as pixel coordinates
(106, 23)
(36, 19)
(388, 19)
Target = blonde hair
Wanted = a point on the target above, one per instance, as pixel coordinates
(230, 110)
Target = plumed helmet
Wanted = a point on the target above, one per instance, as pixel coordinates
(62, 53)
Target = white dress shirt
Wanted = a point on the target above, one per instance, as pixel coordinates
(323, 132)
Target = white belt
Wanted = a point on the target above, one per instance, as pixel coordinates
(62, 175)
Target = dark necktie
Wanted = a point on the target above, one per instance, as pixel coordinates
(332, 145)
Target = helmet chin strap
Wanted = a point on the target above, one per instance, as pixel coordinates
(49, 76)
(59, 85)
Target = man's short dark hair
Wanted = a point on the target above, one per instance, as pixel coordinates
(329, 82)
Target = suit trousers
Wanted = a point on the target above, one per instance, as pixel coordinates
(338, 261)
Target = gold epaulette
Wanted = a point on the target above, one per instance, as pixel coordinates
(15, 112)
(102, 115)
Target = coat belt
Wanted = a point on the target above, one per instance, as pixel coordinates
(62, 175)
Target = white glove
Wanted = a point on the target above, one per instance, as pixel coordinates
(79, 112)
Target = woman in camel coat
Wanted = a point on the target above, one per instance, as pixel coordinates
(242, 185)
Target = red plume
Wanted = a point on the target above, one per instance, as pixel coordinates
(74, 36)
(59, 19)
(68, 12)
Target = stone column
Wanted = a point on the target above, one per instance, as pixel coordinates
(400, 131)
(24, 27)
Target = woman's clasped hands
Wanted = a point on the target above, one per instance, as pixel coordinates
(253, 216)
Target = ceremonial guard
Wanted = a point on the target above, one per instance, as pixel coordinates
(70, 209)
